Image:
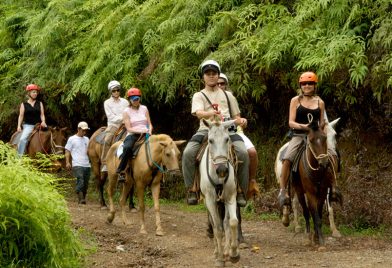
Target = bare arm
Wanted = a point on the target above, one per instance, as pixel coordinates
(68, 159)
(149, 123)
(206, 114)
(20, 118)
(240, 121)
(43, 121)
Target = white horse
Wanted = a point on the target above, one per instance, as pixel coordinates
(218, 185)
(331, 141)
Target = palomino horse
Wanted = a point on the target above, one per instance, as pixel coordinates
(50, 140)
(94, 153)
(159, 154)
(218, 185)
(331, 143)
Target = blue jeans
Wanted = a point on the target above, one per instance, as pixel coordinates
(82, 175)
(24, 138)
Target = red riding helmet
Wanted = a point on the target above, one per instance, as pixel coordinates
(134, 92)
(308, 77)
(31, 87)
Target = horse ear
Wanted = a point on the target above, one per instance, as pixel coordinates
(334, 122)
(178, 143)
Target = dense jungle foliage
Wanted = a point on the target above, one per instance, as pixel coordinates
(73, 48)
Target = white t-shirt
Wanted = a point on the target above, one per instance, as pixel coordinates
(77, 146)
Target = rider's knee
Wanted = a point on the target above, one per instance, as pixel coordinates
(252, 153)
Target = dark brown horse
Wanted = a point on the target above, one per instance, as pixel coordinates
(49, 140)
(156, 156)
(94, 153)
(315, 176)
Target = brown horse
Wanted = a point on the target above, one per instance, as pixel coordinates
(158, 155)
(94, 153)
(315, 176)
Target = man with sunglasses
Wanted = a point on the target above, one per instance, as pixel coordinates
(114, 108)
(307, 102)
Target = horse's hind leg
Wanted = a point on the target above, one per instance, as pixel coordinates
(295, 204)
(241, 240)
(302, 201)
(123, 200)
(231, 217)
(132, 207)
(335, 231)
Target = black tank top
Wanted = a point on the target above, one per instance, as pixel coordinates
(301, 116)
(32, 114)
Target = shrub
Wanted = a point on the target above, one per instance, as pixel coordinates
(34, 221)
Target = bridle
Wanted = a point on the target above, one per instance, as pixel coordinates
(54, 148)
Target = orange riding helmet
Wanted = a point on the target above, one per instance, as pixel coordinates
(134, 92)
(308, 77)
(31, 87)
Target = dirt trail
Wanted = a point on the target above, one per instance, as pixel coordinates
(185, 243)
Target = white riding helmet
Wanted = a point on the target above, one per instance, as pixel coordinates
(210, 65)
(113, 84)
(223, 76)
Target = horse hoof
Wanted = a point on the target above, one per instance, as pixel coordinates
(133, 210)
(235, 259)
(243, 245)
(159, 233)
(219, 264)
(336, 234)
(110, 218)
(285, 220)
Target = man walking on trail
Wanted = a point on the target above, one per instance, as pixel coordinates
(206, 104)
(114, 108)
(76, 150)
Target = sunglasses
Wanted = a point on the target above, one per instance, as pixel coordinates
(115, 90)
(221, 84)
(308, 83)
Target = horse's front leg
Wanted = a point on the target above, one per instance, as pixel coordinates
(123, 199)
(101, 183)
(232, 239)
(217, 226)
(302, 201)
(140, 197)
(155, 189)
(111, 189)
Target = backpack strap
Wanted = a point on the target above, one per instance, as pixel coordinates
(227, 99)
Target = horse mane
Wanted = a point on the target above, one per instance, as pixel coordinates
(160, 137)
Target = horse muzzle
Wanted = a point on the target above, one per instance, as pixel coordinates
(222, 170)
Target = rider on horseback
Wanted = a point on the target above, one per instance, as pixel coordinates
(137, 122)
(253, 188)
(31, 113)
(300, 107)
(206, 104)
(114, 108)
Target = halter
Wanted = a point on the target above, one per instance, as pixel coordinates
(160, 168)
(218, 187)
(53, 145)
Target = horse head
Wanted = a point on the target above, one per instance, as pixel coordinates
(171, 154)
(219, 145)
(317, 144)
(58, 139)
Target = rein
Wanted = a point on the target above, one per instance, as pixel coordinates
(317, 157)
(160, 168)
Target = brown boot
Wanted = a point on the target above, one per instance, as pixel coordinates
(283, 197)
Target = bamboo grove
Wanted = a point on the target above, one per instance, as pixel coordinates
(72, 48)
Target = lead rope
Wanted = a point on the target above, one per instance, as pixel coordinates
(150, 155)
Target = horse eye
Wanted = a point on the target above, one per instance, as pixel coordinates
(210, 141)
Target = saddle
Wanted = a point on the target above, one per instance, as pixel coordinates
(135, 149)
(117, 135)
